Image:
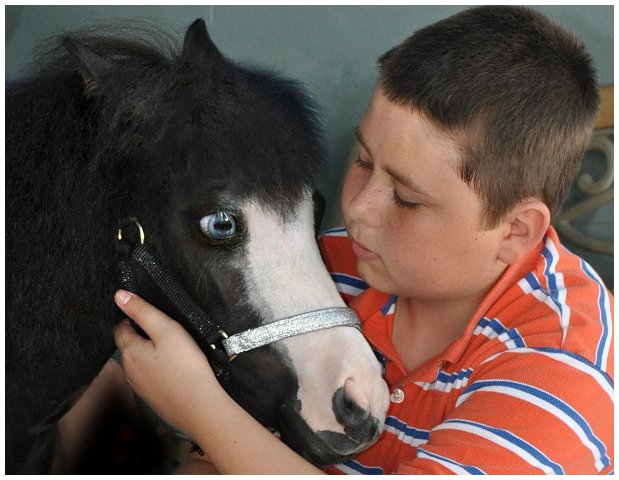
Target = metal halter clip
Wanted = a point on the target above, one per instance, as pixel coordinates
(224, 336)
(140, 229)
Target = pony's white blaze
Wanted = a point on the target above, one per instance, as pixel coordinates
(286, 277)
(286, 273)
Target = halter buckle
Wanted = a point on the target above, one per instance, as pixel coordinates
(224, 336)
(137, 224)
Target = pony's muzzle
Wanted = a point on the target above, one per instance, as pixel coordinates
(352, 411)
(326, 447)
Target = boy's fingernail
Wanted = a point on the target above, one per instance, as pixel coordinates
(122, 297)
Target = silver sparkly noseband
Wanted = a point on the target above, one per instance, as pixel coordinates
(289, 327)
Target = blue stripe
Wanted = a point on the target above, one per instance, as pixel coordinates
(511, 438)
(602, 306)
(406, 429)
(533, 282)
(494, 324)
(387, 306)
(334, 230)
(582, 360)
(500, 329)
(469, 469)
(552, 279)
(356, 466)
(557, 402)
(349, 280)
(514, 334)
(381, 359)
(535, 285)
(452, 377)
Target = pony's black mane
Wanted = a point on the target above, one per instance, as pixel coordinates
(123, 39)
(147, 88)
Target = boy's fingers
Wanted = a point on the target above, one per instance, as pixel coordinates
(124, 334)
(149, 318)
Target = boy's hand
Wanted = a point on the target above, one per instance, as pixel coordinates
(168, 370)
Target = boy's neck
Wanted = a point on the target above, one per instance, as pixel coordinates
(423, 330)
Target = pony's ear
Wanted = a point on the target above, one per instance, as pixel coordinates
(198, 46)
(91, 66)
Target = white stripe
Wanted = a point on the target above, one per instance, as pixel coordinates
(486, 331)
(546, 406)
(609, 324)
(347, 470)
(540, 295)
(562, 291)
(492, 437)
(509, 342)
(566, 359)
(348, 289)
(444, 387)
(490, 332)
(404, 438)
(609, 327)
(451, 466)
(336, 232)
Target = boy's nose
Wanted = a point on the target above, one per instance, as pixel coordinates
(365, 208)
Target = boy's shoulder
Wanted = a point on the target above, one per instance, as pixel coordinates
(561, 303)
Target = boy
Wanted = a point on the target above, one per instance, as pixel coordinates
(496, 341)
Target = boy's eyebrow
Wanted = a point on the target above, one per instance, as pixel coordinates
(398, 177)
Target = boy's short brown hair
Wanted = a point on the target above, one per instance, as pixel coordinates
(518, 92)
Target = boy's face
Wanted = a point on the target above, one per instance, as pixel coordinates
(415, 225)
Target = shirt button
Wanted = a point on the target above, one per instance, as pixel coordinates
(397, 396)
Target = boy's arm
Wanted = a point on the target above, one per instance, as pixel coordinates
(526, 411)
(172, 375)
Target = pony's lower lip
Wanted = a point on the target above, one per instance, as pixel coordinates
(363, 253)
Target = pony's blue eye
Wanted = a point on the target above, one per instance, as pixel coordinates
(219, 225)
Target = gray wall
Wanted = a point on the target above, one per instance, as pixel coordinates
(332, 49)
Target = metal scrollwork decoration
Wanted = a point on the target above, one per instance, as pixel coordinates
(597, 192)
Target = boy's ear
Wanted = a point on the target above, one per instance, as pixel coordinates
(527, 224)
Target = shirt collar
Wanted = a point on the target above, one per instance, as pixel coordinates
(512, 274)
(372, 308)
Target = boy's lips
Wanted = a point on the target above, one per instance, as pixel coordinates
(362, 252)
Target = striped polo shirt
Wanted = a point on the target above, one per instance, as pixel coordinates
(526, 389)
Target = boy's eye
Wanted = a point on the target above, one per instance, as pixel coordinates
(403, 203)
(363, 163)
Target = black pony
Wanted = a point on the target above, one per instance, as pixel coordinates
(216, 161)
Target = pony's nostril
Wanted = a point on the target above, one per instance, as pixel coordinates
(348, 412)
(352, 411)
(354, 392)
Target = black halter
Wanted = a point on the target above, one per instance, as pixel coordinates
(203, 329)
